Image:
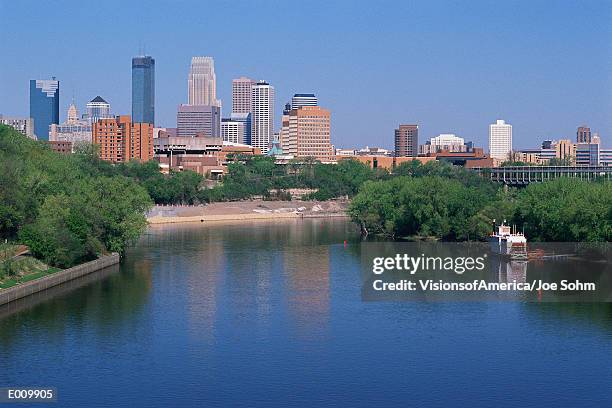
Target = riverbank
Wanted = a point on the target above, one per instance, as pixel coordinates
(247, 211)
(57, 277)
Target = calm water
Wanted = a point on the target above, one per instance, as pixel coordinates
(267, 314)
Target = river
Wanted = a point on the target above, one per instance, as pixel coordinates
(271, 314)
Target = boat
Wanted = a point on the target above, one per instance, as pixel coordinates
(506, 241)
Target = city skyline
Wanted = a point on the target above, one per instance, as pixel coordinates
(458, 80)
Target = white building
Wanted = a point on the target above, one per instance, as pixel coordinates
(500, 140)
(242, 89)
(233, 131)
(262, 116)
(22, 125)
(446, 139)
(73, 130)
(444, 142)
(203, 82)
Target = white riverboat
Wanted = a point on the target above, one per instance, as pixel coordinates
(506, 241)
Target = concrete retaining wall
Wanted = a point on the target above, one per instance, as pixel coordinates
(37, 285)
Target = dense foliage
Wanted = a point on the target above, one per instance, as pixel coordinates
(66, 208)
(444, 202)
(259, 176)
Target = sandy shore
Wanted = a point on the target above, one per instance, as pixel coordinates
(247, 210)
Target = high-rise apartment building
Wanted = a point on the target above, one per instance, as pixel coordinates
(24, 126)
(97, 109)
(233, 131)
(242, 94)
(143, 89)
(194, 119)
(306, 133)
(262, 116)
(302, 99)
(500, 140)
(406, 141)
(121, 140)
(583, 135)
(44, 105)
(203, 82)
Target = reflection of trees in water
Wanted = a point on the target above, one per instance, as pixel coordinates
(106, 302)
(599, 314)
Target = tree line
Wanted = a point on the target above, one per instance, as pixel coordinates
(439, 201)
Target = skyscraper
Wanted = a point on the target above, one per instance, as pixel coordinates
(500, 140)
(300, 100)
(122, 140)
(44, 105)
(143, 89)
(262, 116)
(194, 119)
(583, 135)
(241, 95)
(406, 141)
(203, 82)
(97, 109)
(306, 133)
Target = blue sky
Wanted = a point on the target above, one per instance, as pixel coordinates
(450, 66)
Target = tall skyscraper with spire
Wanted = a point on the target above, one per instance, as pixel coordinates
(143, 89)
(203, 82)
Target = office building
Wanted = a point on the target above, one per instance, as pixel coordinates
(587, 154)
(406, 141)
(143, 89)
(605, 157)
(262, 116)
(245, 119)
(242, 94)
(24, 126)
(300, 100)
(121, 140)
(444, 142)
(203, 82)
(194, 119)
(233, 131)
(306, 133)
(500, 140)
(44, 105)
(73, 130)
(583, 135)
(97, 109)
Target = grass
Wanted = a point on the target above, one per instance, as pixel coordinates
(24, 269)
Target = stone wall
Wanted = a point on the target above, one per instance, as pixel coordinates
(37, 285)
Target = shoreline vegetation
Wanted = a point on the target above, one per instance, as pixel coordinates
(70, 209)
